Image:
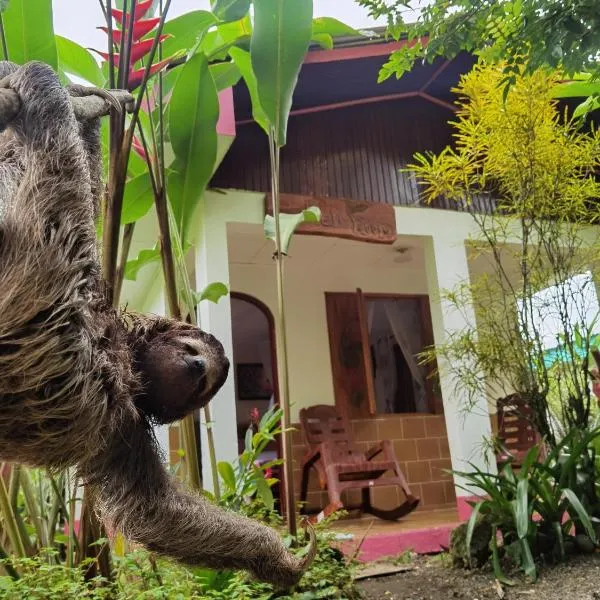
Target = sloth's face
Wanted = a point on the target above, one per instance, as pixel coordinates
(182, 371)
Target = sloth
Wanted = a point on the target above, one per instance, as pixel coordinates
(81, 383)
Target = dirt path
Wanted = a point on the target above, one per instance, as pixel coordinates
(431, 580)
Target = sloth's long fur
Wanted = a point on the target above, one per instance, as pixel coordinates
(74, 372)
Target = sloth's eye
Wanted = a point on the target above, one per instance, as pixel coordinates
(191, 350)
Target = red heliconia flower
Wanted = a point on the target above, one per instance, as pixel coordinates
(138, 49)
(140, 29)
(141, 9)
(268, 473)
(136, 76)
(138, 148)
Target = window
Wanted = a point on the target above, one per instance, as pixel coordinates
(375, 341)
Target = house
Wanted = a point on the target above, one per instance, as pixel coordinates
(363, 286)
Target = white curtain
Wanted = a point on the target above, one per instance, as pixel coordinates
(400, 324)
(394, 316)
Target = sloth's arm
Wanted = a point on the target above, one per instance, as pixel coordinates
(137, 497)
(55, 186)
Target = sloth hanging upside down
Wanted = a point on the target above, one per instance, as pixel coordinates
(80, 383)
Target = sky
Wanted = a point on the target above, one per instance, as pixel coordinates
(78, 19)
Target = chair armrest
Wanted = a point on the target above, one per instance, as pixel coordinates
(373, 451)
(322, 451)
(311, 456)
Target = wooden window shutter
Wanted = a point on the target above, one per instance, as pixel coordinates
(350, 354)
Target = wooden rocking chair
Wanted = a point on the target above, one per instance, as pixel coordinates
(516, 434)
(341, 467)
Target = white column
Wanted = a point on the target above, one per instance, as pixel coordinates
(447, 267)
(212, 265)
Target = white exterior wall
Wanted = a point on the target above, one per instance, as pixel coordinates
(447, 266)
(212, 265)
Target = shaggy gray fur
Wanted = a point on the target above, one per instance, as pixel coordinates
(72, 369)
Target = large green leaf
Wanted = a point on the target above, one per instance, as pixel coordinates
(237, 33)
(242, 59)
(225, 75)
(280, 39)
(582, 513)
(77, 60)
(263, 489)
(145, 257)
(471, 525)
(332, 27)
(521, 508)
(29, 31)
(137, 199)
(527, 562)
(187, 30)
(193, 115)
(288, 224)
(230, 10)
(227, 475)
(213, 292)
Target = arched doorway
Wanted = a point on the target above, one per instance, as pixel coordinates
(254, 367)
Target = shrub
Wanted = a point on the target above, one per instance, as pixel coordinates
(542, 509)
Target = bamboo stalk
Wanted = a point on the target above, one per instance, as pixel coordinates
(126, 247)
(3, 38)
(13, 492)
(284, 389)
(72, 541)
(32, 508)
(7, 566)
(10, 523)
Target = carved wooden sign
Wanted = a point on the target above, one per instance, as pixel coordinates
(362, 221)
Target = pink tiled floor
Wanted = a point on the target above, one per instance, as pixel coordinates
(422, 532)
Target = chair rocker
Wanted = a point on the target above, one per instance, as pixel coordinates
(340, 466)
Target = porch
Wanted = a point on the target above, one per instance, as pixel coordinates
(422, 532)
(426, 256)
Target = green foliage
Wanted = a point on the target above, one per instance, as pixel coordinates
(186, 30)
(230, 10)
(289, 223)
(564, 483)
(145, 257)
(213, 292)
(518, 153)
(280, 38)
(29, 32)
(193, 115)
(76, 60)
(561, 35)
(141, 576)
(244, 64)
(138, 198)
(248, 478)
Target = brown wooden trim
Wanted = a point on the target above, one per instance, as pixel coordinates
(364, 334)
(359, 51)
(392, 295)
(362, 101)
(437, 73)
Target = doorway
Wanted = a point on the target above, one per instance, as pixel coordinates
(254, 369)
